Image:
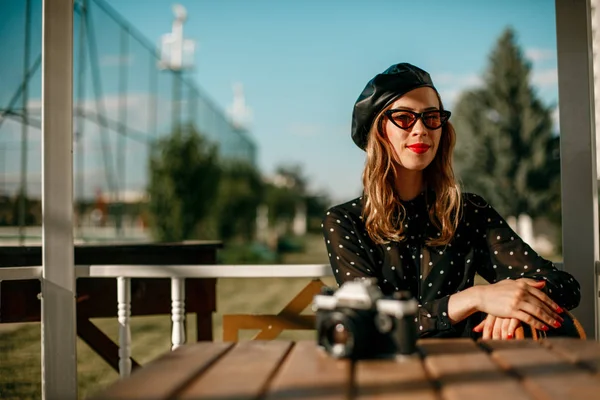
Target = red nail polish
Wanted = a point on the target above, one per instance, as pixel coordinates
(556, 324)
(509, 336)
(544, 328)
(559, 310)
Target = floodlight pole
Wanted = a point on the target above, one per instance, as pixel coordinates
(173, 51)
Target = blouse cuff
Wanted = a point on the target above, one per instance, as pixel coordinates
(443, 321)
(434, 317)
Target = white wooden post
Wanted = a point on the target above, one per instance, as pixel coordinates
(123, 314)
(58, 328)
(178, 311)
(579, 187)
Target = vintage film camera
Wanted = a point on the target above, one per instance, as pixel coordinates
(357, 321)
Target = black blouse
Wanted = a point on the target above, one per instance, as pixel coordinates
(483, 243)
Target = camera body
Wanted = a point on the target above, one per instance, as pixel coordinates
(357, 321)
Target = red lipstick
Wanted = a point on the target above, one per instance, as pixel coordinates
(419, 148)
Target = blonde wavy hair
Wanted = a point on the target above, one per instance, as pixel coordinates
(383, 211)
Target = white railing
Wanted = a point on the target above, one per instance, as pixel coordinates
(178, 274)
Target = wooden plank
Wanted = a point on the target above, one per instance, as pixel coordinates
(164, 377)
(465, 371)
(544, 373)
(392, 379)
(586, 352)
(189, 253)
(252, 363)
(309, 373)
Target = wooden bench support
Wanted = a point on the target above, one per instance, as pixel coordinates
(272, 325)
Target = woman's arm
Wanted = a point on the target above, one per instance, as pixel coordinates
(508, 299)
(511, 258)
(350, 254)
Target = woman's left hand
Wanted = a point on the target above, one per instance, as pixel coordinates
(498, 328)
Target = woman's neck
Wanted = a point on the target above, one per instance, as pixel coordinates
(409, 184)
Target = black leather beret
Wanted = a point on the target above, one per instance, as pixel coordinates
(380, 92)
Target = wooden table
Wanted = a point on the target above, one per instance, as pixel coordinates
(460, 369)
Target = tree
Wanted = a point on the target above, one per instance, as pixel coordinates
(184, 177)
(240, 192)
(506, 146)
(286, 191)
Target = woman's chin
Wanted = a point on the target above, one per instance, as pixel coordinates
(415, 166)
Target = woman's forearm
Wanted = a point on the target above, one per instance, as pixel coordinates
(462, 304)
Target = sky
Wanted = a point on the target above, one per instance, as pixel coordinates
(302, 64)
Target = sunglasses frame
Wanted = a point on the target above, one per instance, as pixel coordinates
(444, 117)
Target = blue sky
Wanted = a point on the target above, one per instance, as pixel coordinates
(303, 63)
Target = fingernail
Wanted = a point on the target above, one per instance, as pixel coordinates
(509, 336)
(556, 324)
(559, 310)
(544, 328)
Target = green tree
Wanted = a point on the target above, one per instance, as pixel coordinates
(287, 189)
(184, 178)
(240, 192)
(506, 149)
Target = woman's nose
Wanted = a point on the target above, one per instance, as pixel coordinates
(419, 128)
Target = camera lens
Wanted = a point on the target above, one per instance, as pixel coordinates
(339, 338)
(338, 335)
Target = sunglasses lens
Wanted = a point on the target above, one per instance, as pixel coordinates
(432, 120)
(403, 119)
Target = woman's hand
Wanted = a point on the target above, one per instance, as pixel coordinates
(522, 300)
(497, 327)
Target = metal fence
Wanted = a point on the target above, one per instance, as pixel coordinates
(123, 102)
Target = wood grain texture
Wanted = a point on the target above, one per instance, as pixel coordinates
(545, 374)
(169, 374)
(393, 379)
(451, 369)
(309, 373)
(242, 374)
(586, 352)
(464, 370)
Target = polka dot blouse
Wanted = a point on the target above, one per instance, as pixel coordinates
(483, 244)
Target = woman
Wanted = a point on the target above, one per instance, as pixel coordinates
(414, 230)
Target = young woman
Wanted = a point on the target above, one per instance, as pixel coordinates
(414, 230)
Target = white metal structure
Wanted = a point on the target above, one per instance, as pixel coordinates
(59, 374)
